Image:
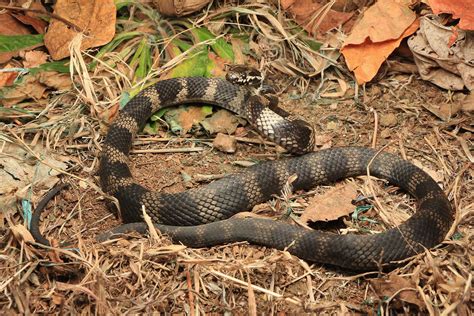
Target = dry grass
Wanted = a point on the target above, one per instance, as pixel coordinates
(143, 275)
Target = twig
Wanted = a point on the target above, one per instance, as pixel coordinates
(166, 150)
(376, 127)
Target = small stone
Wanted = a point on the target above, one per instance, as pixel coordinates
(386, 133)
(388, 120)
(333, 106)
(332, 125)
(225, 143)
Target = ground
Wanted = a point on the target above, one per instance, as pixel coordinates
(398, 113)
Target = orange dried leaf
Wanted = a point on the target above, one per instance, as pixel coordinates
(385, 20)
(460, 9)
(95, 18)
(365, 59)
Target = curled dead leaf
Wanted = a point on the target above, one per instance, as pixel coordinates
(95, 18)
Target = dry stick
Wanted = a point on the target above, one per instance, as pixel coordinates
(190, 292)
(166, 150)
(376, 127)
(371, 187)
(51, 15)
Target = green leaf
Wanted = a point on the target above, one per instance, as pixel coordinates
(59, 66)
(196, 66)
(144, 59)
(12, 43)
(313, 44)
(219, 45)
(119, 4)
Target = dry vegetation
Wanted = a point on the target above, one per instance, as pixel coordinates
(147, 274)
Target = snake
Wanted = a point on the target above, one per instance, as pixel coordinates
(204, 216)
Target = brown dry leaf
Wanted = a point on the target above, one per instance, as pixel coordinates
(385, 20)
(10, 26)
(38, 24)
(376, 35)
(365, 59)
(35, 86)
(221, 122)
(305, 12)
(7, 78)
(95, 18)
(460, 9)
(29, 88)
(21, 233)
(55, 80)
(386, 288)
(331, 205)
(34, 58)
(179, 8)
(190, 116)
(467, 105)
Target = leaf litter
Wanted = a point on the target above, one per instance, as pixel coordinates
(143, 275)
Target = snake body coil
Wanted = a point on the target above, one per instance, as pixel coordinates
(178, 215)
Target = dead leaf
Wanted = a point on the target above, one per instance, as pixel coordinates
(225, 143)
(385, 20)
(191, 116)
(467, 104)
(222, 122)
(17, 176)
(35, 86)
(7, 78)
(55, 80)
(375, 37)
(365, 59)
(447, 66)
(304, 12)
(386, 288)
(29, 88)
(95, 18)
(331, 205)
(460, 9)
(21, 233)
(34, 58)
(10, 26)
(38, 24)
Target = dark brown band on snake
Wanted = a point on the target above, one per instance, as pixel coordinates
(178, 214)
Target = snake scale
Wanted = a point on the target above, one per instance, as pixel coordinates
(200, 217)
